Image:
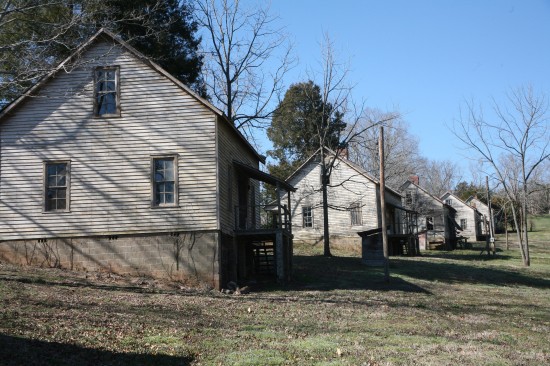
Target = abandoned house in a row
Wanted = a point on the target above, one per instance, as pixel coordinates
(353, 201)
(110, 163)
(468, 217)
(436, 219)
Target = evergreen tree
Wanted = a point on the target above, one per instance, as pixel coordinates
(35, 35)
(300, 122)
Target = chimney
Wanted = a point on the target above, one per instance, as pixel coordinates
(414, 179)
(344, 153)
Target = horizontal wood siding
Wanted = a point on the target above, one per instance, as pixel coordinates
(347, 187)
(230, 149)
(110, 189)
(426, 206)
(464, 211)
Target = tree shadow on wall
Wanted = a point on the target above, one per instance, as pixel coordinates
(22, 351)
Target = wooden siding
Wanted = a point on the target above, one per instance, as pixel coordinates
(464, 211)
(110, 158)
(427, 206)
(483, 209)
(348, 187)
(229, 149)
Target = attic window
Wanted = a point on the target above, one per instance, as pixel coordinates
(408, 198)
(107, 91)
(449, 202)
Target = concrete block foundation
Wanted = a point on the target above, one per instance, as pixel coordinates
(176, 256)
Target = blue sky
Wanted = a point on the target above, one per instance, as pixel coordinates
(425, 57)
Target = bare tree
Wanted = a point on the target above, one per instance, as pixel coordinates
(337, 93)
(514, 146)
(240, 44)
(402, 156)
(439, 177)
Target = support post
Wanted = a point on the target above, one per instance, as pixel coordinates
(383, 206)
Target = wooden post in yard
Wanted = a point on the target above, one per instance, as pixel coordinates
(383, 207)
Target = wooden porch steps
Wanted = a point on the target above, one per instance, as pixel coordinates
(264, 255)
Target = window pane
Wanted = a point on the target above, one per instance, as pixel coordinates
(61, 181)
(169, 169)
(169, 198)
(61, 169)
(61, 193)
(169, 187)
(51, 169)
(61, 204)
(110, 86)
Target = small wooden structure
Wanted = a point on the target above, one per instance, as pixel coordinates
(263, 233)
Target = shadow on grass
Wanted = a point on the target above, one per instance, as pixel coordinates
(463, 272)
(349, 273)
(344, 273)
(22, 351)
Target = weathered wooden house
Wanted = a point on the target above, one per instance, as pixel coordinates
(354, 203)
(483, 210)
(467, 217)
(110, 163)
(436, 220)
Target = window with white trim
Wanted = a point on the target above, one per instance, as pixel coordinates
(464, 224)
(307, 216)
(165, 190)
(107, 91)
(56, 186)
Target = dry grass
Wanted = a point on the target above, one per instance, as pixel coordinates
(440, 309)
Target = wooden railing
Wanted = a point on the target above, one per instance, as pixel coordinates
(262, 217)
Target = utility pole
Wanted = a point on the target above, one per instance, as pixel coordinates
(383, 207)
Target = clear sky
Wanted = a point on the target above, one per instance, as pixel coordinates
(425, 57)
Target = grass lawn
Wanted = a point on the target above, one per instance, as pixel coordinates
(443, 308)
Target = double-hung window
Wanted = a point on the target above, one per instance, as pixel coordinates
(107, 91)
(165, 181)
(356, 214)
(56, 195)
(307, 216)
(464, 224)
(409, 198)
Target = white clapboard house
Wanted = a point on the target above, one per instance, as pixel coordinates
(109, 163)
(353, 200)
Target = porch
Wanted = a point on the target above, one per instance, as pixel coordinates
(262, 232)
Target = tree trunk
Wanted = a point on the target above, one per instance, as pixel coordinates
(506, 229)
(324, 184)
(518, 232)
(526, 258)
